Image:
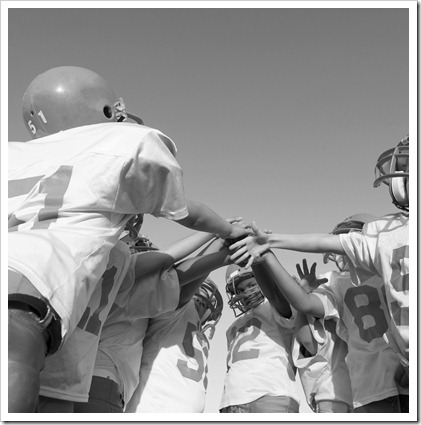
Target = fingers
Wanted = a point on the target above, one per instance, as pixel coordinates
(238, 244)
(321, 281)
(240, 251)
(254, 227)
(249, 262)
(305, 267)
(234, 220)
(242, 258)
(313, 269)
(299, 271)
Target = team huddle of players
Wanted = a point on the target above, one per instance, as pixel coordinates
(101, 320)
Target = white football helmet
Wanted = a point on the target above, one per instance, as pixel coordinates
(241, 299)
(354, 223)
(69, 96)
(392, 169)
(209, 302)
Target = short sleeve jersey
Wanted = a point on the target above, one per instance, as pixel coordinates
(382, 249)
(125, 327)
(68, 372)
(362, 319)
(70, 195)
(259, 358)
(324, 376)
(173, 374)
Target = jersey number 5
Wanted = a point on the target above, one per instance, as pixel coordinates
(188, 372)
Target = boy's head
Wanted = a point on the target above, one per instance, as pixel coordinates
(354, 223)
(392, 169)
(209, 304)
(244, 294)
(69, 96)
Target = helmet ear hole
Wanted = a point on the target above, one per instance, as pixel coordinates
(108, 112)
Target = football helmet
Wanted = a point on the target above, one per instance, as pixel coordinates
(392, 169)
(69, 96)
(354, 223)
(242, 299)
(209, 301)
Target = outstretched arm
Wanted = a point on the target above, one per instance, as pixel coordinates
(193, 271)
(176, 251)
(253, 246)
(184, 247)
(296, 296)
(204, 219)
(270, 286)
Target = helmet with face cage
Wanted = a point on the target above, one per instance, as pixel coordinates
(210, 299)
(392, 169)
(239, 300)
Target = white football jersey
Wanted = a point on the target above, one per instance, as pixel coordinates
(114, 323)
(68, 372)
(70, 195)
(125, 327)
(324, 376)
(382, 249)
(362, 320)
(173, 373)
(259, 358)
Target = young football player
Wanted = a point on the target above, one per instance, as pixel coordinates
(260, 375)
(362, 321)
(71, 191)
(173, 372)
(151, 287)
(381, 249)
(319, 355)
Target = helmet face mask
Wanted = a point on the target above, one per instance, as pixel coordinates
(66, 97)
(392, 169)
(209, 305)
(244, 294)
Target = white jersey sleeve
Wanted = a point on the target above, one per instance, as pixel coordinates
(67, 374)
(324, 376)
(173, 374)
(70, 195)
(259, 343)
(362, 321)
(383, 250)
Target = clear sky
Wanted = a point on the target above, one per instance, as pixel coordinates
(279, 114)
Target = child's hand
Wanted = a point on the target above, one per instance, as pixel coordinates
(238, 230)
(249, 249)
(309, 278)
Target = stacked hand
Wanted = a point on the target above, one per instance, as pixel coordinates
(248, 250)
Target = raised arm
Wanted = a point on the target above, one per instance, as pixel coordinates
(255, 245)
(177, 251)
(193, 271)
(294, 294)
(204, 219)
(270, 286)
